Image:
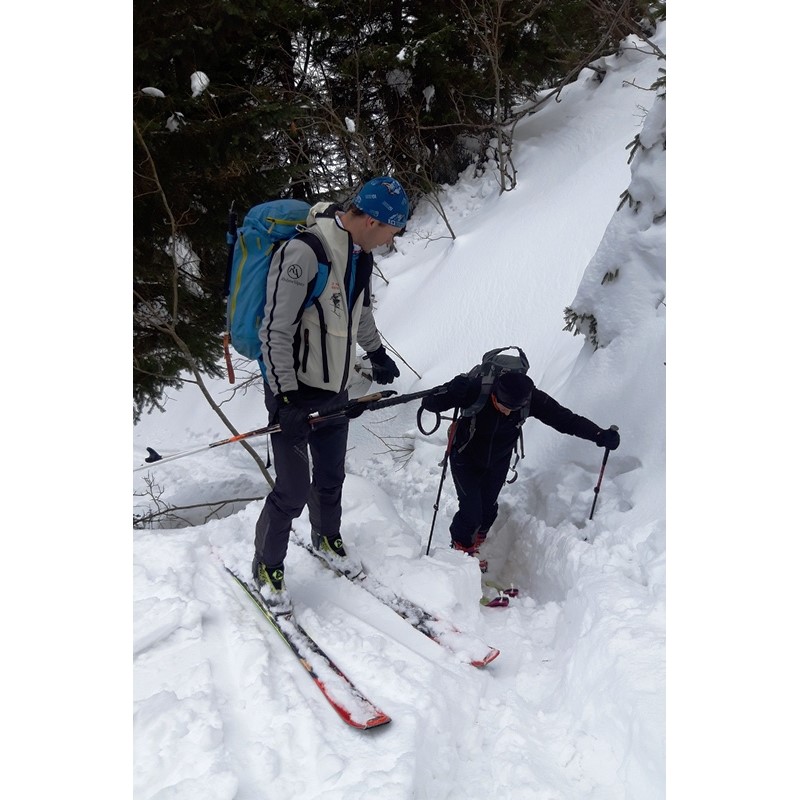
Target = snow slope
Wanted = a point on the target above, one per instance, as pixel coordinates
(574, 707)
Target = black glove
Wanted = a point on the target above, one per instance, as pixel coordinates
(384, 370)
(292, 419)
(429, 403)
(608, 438)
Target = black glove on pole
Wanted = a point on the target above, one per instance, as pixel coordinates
(292, 419)
(384, 370)
(610, 440)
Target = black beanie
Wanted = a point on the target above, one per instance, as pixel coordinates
(513, 389)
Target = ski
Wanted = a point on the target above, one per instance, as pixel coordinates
(509, 591)
(495, 595)
(467, 647)
(500, 594)
(345, 699)
(497, 601)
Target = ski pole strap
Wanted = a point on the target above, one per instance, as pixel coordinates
(437, 422)
(438, 417)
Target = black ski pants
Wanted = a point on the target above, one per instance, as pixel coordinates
(301, 480)
(477, 489)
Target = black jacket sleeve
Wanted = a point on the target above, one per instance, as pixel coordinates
(547, 410)
(460, 392)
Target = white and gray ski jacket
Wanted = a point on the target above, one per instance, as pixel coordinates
(316, 346)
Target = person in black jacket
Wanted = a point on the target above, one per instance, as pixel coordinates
(481, 446)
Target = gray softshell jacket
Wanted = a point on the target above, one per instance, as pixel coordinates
(317, 345)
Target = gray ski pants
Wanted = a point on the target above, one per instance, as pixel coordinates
(299, 480)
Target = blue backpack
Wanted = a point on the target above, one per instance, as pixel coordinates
(250, 252)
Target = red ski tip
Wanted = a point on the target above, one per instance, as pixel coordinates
(376, 722)
(361, 721)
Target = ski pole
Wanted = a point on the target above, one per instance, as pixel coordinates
(450, 437)
(154, 457)
(372, 402)
(600, 479)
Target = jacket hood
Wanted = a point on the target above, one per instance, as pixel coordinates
(324, 208)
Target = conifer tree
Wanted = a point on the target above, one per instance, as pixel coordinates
(197, 151)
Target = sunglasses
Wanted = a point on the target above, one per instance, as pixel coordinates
(498, 404)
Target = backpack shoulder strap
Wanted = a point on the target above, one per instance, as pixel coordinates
(315, 243)
(486, 372)
(469, 413)
(323, 263)
(487, 380)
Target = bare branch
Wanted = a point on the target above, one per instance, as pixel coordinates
(168, 325)
(392, 350)
(171, 513)
(401, 452)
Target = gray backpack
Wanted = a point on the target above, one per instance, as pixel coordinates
(492, 366)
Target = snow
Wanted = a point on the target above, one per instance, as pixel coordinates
(175, 122)
(574, 706)
(199, 82)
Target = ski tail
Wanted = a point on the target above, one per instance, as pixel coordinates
(344, 697)
(487, 659)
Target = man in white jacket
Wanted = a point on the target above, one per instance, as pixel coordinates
(308, 353)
